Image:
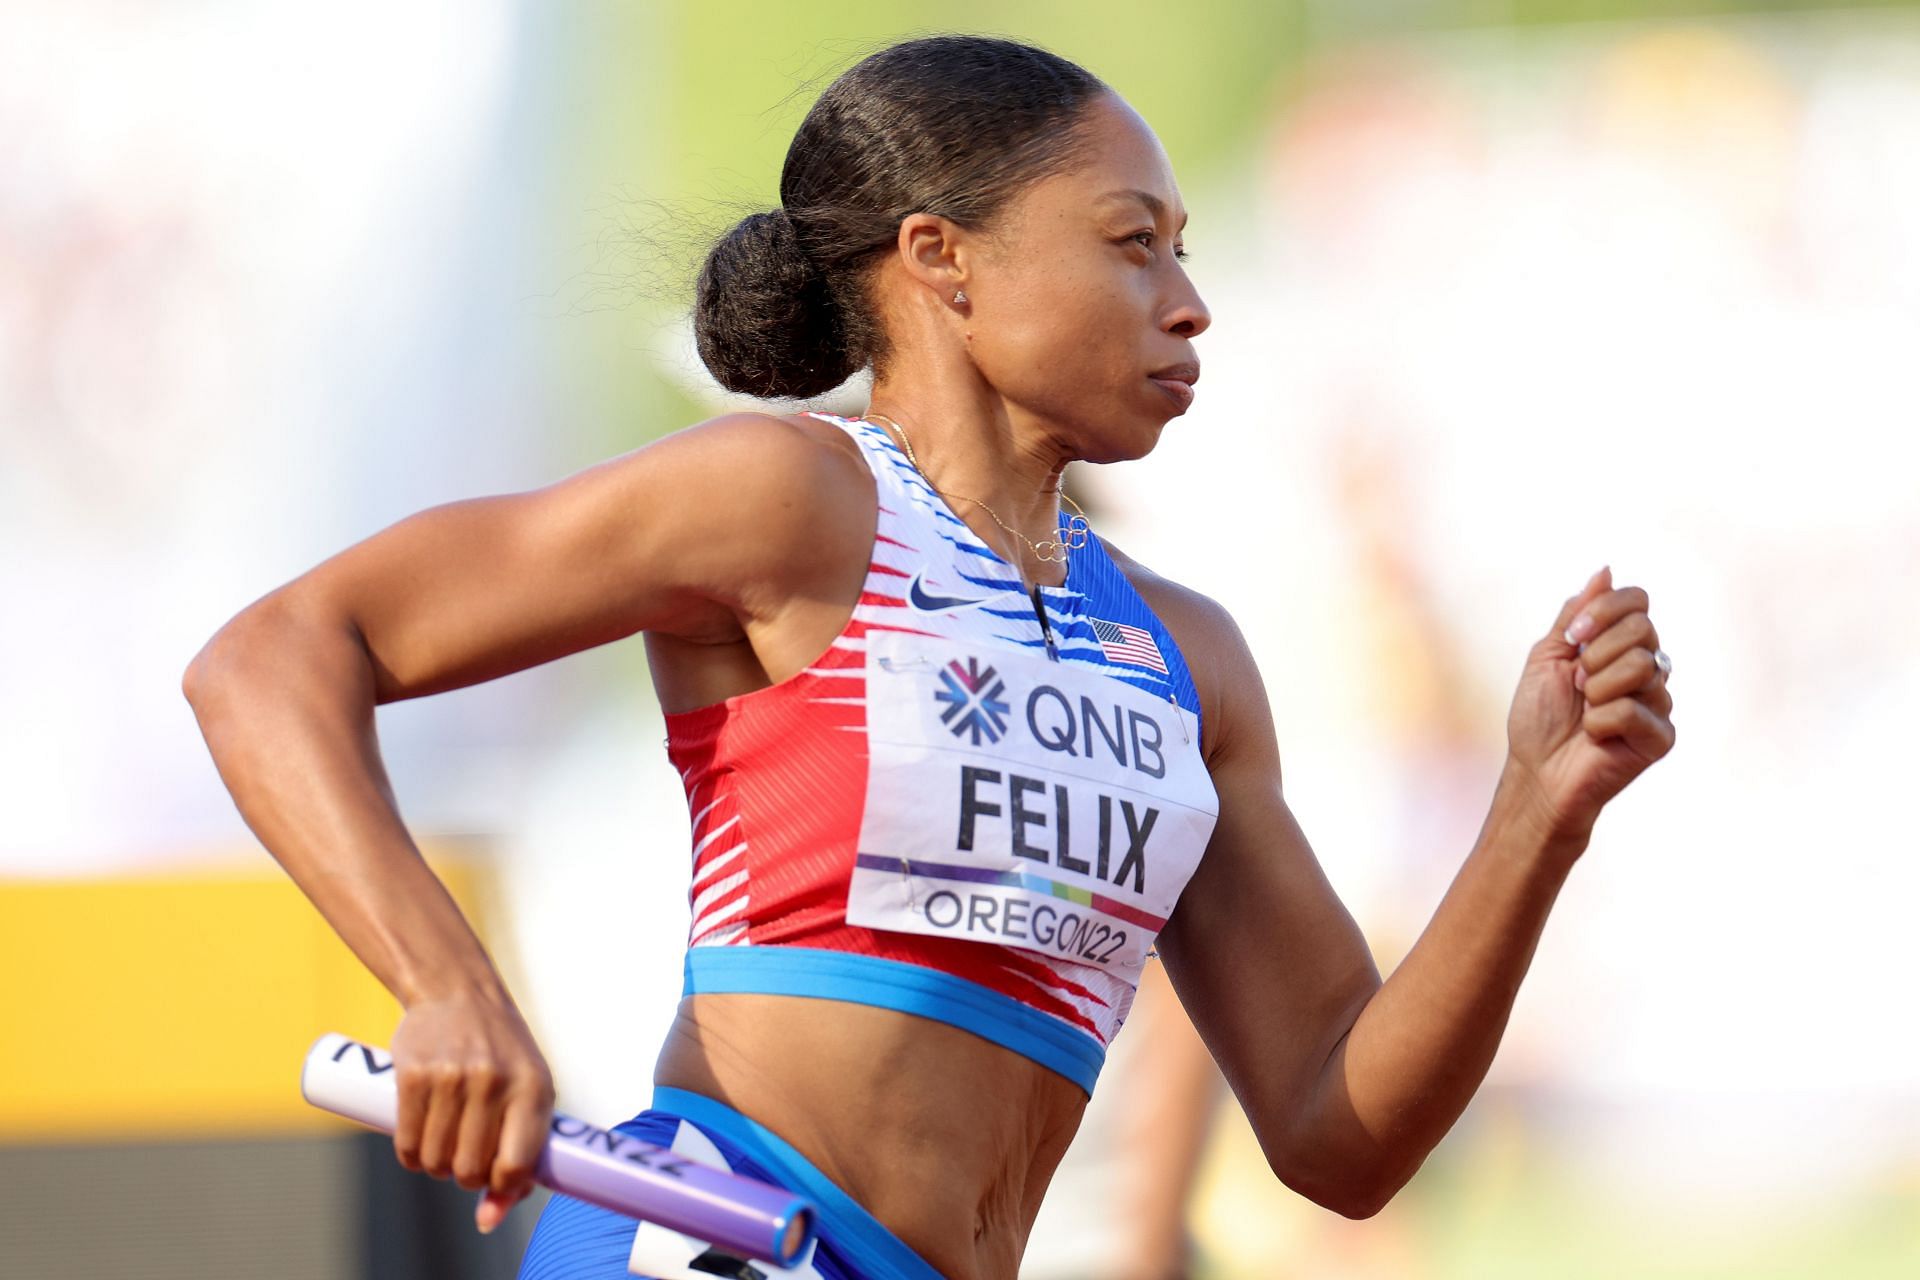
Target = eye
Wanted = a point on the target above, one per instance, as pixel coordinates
(1145, 238)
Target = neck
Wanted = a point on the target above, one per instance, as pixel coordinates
(994, 457)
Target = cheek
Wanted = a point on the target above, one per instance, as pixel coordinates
(1066, 328)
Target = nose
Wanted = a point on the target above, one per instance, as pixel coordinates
(1189, 317)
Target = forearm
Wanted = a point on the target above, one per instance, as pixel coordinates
(285, 703)
(1420, 1047)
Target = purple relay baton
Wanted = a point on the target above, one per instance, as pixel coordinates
(741, 1216)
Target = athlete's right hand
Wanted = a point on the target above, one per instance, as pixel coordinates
(476, 1098)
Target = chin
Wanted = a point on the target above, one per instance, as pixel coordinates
(1161, 410)
(1121, 430)
(1137, 443)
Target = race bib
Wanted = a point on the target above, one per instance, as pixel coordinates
(1016, 800)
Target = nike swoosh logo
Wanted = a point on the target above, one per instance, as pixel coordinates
(926, 602)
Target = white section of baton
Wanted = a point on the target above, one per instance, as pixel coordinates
(362, 1089)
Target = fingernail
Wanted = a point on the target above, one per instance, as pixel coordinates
(1580, 678)
(1582, 627)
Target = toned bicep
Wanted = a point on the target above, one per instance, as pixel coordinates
(1268, 962)
(653, 540)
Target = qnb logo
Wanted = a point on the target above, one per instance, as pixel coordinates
(973, 701)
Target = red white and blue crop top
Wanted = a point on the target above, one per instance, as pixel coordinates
(951, 813)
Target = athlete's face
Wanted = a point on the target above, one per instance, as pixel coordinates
(1079, 296)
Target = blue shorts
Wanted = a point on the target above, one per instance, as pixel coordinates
(574, 1240)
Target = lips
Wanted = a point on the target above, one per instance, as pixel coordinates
(1177, 380)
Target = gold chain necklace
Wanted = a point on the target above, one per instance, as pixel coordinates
(1073, 534)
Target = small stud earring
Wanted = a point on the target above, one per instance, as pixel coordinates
(959, 295)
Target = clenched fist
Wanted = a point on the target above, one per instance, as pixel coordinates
(475, 1098)
(1592, 711)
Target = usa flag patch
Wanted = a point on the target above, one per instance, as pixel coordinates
(1122, 643)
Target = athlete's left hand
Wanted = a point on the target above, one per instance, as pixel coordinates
(1591, 713)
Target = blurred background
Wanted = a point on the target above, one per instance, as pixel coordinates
(1502, 292)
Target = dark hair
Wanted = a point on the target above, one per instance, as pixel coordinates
(952, 125)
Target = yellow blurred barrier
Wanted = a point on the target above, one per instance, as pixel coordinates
(179, 1003)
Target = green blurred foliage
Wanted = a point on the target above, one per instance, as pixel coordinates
(1200, 74)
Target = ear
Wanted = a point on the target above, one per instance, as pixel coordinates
(937, 252)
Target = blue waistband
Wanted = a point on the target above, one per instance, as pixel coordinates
(899, 985)
(883, 1255)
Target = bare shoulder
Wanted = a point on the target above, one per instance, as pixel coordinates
(1212, 643)
(764, 451)
(789, 480)
(819, 435)
(779, 504)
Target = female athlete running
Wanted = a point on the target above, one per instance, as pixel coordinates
(953, 765)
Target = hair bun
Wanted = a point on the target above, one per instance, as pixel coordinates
(764, 318)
